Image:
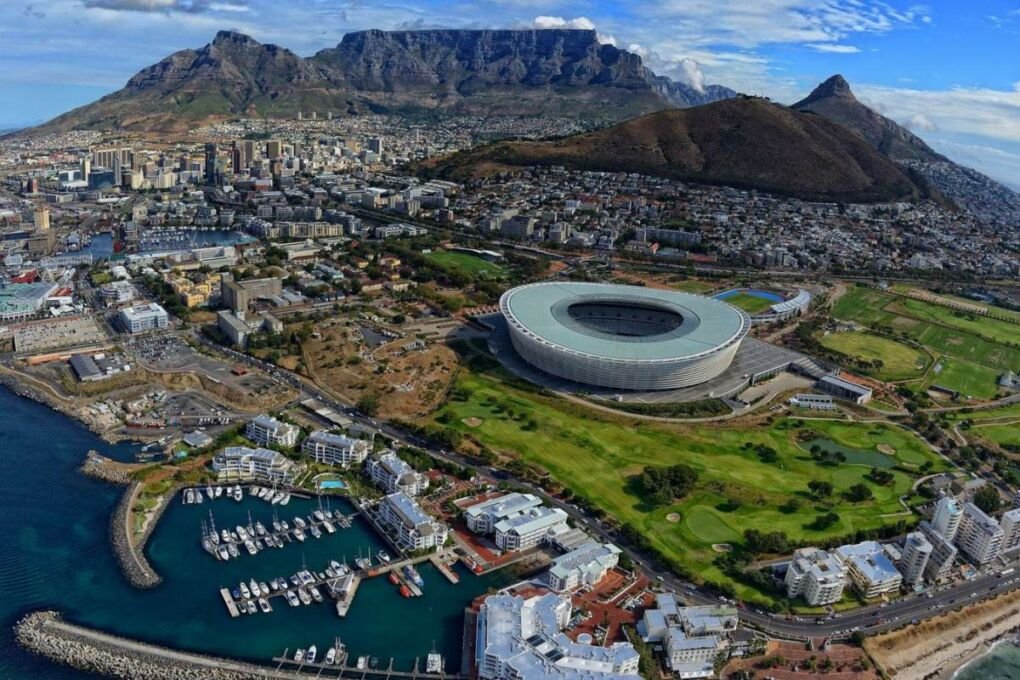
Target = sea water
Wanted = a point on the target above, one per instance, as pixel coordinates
(54, 523)
(1001, 663)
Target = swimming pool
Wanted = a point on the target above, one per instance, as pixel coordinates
(332, 484)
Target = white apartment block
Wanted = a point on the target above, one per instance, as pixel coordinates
(143, 318)
(335, 449)
(943, 555)
(980, 536)
(412, 528)
(584, 566)
(518, 639)
(692, 637)
(240, 463)
(947, 517)
(869, 568)
(816, 575)
(392, 474)
(268, 431)
(917, 551)
(482, 517)
(529, 529)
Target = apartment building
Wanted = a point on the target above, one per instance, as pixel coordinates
(815, 575)
(529, 529)
(392, 474)
(869, 568)
(411, 528)
(240, 463)
(586, 565)
(980, 536)
(268, 431)
(482, 517)
(335, 449)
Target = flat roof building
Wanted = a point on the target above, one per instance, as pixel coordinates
(844, 389)
(529, 528)
(943, 554)
(268, 431)
(980, 536)
(816, 575)
(522, 639)
(412, 529)
(916, 552)
(583, 566)
(143, 318)
(335, 449)
(240, 463)
(691, 637)
(482, 517)
(392, 474)
(869, 569)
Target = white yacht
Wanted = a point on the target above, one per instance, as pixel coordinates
(310, 656)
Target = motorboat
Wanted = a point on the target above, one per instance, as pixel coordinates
(310, 655)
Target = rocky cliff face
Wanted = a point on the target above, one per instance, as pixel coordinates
(517, 72)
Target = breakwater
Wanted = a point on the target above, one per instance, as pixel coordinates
(131, 553)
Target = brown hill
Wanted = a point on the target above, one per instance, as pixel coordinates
(744, 142)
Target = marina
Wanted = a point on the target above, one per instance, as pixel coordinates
(186, 611)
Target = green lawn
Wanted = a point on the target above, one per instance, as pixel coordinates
(1000, 434)
(598, 456)
(977, 415)
(694, 286)
(469, 264)
(968, 379)
(752, 304)
(900, 362)
(979, 343)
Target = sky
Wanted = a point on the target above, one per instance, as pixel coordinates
(948, 69)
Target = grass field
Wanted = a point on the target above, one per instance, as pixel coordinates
(1003, 413)
(697, 286)
(900, 362)
(968, 379)
(980, 343)
(752, 304)
(598, 456)
(469, 264)
(1000, 434)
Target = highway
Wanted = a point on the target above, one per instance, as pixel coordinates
(870, 619)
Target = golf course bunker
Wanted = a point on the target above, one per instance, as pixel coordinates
(722, 547)
(472, 421)
(882, 458)
(673, 517)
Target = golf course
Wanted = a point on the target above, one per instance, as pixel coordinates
(600, 457)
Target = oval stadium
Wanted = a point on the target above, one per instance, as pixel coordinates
(623, 337)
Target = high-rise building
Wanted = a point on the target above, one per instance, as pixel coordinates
(1010, 524)
(41, 218)
(980, 536)
(943, 555)
(210, 163)
(274, 149)
(946, 519)
(375, 145)
(917, 551)
(816, 575)
(86, 168)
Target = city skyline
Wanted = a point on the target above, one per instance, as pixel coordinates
(967, 107)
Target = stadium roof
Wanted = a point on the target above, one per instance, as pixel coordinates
(707, 324)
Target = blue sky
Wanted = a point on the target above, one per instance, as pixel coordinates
(948, 69)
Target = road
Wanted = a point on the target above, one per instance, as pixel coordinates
(870, 619)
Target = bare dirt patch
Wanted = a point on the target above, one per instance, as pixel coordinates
(472, 421)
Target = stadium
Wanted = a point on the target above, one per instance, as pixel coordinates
(623, 337)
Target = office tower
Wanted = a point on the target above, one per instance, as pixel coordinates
(946, 519)
(41, 218)
(274, 149)
(375, 145)
(86, 168)
(917, 551)
(210, 163)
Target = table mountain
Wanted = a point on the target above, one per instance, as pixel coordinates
(745, 142)
(517, 72)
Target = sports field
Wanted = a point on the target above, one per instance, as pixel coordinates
(970, 380)
(598, 456)
(469, 264)
(750, 303)
(988, 346)
(899, 361)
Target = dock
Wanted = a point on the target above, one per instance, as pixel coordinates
(343, 604)
(228, 599)
(445, 569)
(271, 537)
(343, 670)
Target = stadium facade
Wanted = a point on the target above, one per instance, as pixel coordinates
(623, 337)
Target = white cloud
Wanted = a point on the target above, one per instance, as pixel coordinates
(833, 48)
(544, 22)
(920, 123)
(689, 71)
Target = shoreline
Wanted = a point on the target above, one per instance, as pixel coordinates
(980, 653)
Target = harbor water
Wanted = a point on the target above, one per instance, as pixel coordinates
(1002, 662)
(58, 557)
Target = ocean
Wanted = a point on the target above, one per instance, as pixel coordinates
(55, 522)
(1001, 663)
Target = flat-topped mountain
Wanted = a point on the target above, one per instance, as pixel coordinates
(560, 72)
(743, 142)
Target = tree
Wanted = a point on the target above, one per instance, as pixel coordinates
(987, 498)
(368, 404)
(858, 493)
(820, 489)
(663, 485)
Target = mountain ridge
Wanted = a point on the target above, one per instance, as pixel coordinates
(506, 71)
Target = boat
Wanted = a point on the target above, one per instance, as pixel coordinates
(277, 527)
(242, 533)
(286, 499)
(286, 527)
(262, 492)
(330, 656)
(405, 591)
(250, 547)
(264, 587)
(292, 599)
(304, 596)
(316, 595)
(299, 655)
(328, 526)
(198, 497)
(362, 663)
(318, 515)
(310, 655)
(232, 549)
(335, 566)
(264, 605)
(277, 497)
(250, 604)
(412, 574)
(434, 663)
(225, 535)
(209, 492)
(244, 591)
(219, 491)
(315, 531)
(383, 556)
(238, 494)
(393, 579)
(189, 496)
(224, 553)
(300, 523)
(253, 586)
(260, 529)
(299, 535)
(254, 490)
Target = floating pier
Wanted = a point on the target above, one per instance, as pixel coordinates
(228, 600)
